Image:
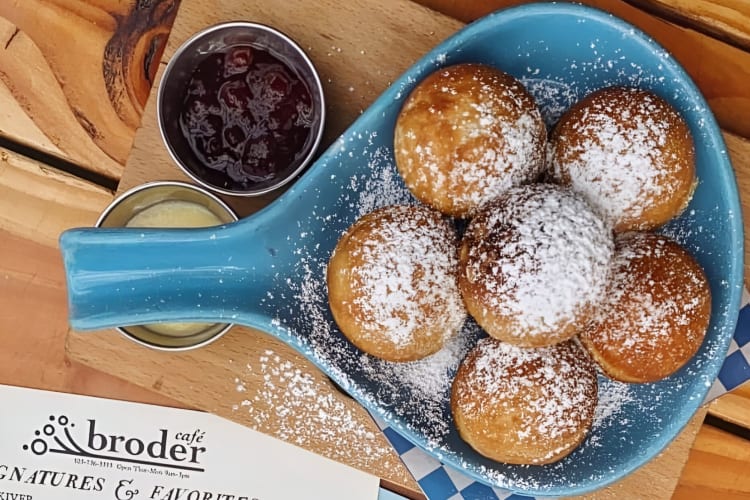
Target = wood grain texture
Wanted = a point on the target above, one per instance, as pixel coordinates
(249, 375)
(720, 70)
(52, 201)
(739, 153)
(727, 20)
(36, 204)
(75, 75)
(734, 407)
(717, 468)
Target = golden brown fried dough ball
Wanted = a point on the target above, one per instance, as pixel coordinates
(524, 405)
(534, 264)
(656, 314)
(465, 134)
(392, 283)
(630, 153)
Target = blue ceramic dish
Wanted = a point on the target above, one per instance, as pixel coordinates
(267, 271)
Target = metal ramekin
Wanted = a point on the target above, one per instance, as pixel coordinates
(127, 205)
(180, 69)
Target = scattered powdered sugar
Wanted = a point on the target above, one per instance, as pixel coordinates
(612, 396)
(553, 97)
(427, 382)
(380, 186)
(692, 226)
(539, 258)
(300, 408)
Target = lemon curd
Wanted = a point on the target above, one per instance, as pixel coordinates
(175, 213)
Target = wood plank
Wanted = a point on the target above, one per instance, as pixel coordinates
(734, 407)
(720, 70)
(727, 20)
(36, 204)
(51, 200)
(739, 152)
(74, 76)
(717, 468)
(14, 122)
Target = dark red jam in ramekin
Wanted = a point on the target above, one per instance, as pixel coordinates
(247, 117)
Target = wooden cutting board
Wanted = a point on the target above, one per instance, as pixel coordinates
(359, 47)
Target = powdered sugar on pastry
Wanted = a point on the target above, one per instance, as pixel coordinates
(629, 153)
(524, 405)
(466, 134)
(392, 283)
(534, 263)
(657, 310)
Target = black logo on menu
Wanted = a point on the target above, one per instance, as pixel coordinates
(175, 451)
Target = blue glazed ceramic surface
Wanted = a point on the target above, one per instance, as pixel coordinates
(268, 271)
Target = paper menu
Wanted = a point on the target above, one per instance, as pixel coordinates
(63, 446)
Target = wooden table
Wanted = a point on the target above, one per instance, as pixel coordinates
(67, 144)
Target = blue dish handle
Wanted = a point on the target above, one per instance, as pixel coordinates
(127, 276)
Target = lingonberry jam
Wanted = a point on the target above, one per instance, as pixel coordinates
(247, 116)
